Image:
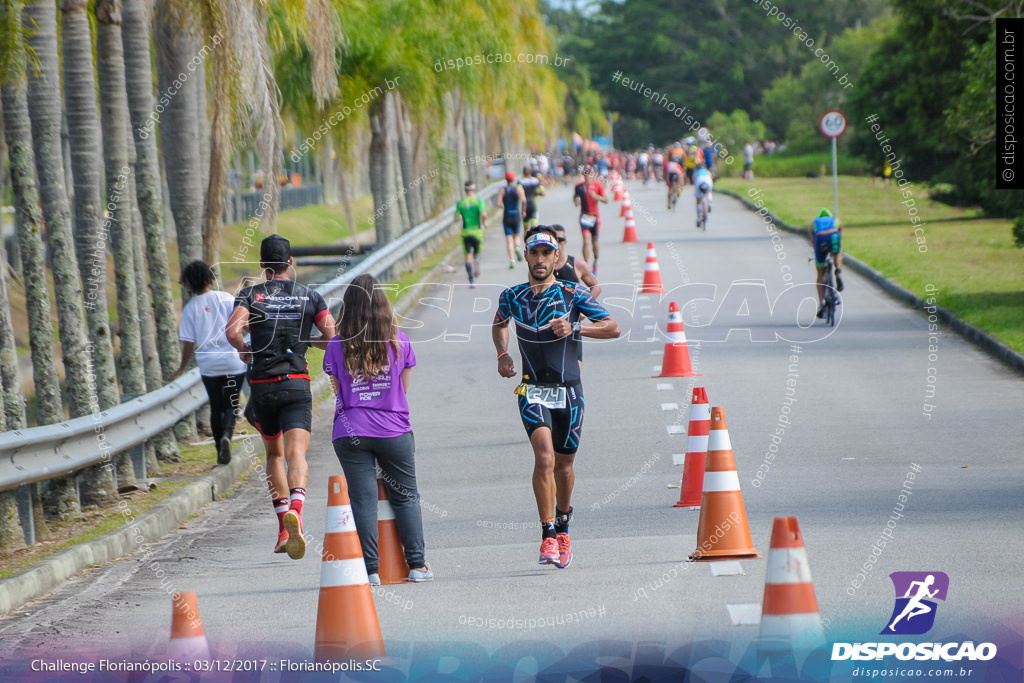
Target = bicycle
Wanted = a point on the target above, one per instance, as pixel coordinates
(702, 213)
(831, 298)
(674, 194)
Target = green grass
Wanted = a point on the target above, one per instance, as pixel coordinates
(72, 532)
(796, 166)
(970, 259)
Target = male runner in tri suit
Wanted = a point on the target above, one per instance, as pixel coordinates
(589, 191)
(473, 213)
(548, 329)
(279, 314)
(532, 188)
(511, 201)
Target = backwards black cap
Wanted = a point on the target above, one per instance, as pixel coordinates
(275, 249)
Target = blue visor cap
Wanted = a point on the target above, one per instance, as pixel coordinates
(541, 239)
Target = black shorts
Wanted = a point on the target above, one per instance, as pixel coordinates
(512, 224)
(470, 244)
(566, 424)
(673, 178)
(280, 406)
(531, 213)
(689, 175)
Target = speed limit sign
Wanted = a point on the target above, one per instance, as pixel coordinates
(832, 124)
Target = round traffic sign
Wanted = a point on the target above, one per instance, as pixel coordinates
(832, 123)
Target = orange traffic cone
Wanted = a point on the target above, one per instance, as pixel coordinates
(393, 567)
(629, 234)
(652, 275)
(618, 190)
(789, 617)
(723, 532)
(692, 485)
(626, 205)
(346, 618)
(676, 359)
(188, 643)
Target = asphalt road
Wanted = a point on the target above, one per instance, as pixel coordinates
(857, 421)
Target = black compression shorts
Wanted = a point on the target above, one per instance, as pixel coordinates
(280, 406)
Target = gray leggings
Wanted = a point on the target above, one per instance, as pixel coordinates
(360, 457)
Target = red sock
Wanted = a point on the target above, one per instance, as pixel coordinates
(298, 499)
(280, 507)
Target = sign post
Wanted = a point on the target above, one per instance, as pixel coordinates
(832, 125)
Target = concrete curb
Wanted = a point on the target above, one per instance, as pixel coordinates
(49, 573)
(976, 336)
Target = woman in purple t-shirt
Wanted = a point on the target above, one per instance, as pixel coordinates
(370, 362)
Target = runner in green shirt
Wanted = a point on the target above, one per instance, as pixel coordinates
(473, 212)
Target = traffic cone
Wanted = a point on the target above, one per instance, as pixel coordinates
(393, 567)
(188, 643)
(346, 618)
(722, 532)
(629, 234)
(676, 359)
(692, 485)
(619, 191)
(652, 275)
(789, 616)
(626, 205)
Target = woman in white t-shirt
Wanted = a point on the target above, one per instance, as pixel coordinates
(202, 332)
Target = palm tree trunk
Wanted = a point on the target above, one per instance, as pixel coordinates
(175, 45)
(115, 121)
(11, 536)
(60, 499)
(407, 162)
(139, 79)
(28, 221)
(382, 174)
(90, 242)
(45, 111)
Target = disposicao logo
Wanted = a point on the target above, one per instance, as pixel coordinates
(912, 615)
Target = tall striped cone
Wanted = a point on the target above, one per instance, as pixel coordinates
(723, 532)
(629, 215)
(692, 485)
(393, 567)
(629, 234)
(188, 643)
(346, 618)
(652, 274)
(626, 205)
(789, 616)
(619, 190)
(676, 359)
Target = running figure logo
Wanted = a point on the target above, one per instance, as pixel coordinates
(914, 612)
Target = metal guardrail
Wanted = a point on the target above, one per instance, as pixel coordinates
(39, 453)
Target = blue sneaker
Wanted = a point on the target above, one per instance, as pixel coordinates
(420, 575)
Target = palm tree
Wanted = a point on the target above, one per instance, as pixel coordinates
(139, 81)
(44, 102)
(90, 243)
(115, 120)
(28, 226)
(179, 129)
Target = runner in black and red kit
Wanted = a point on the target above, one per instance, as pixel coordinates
(548, 328)
(280, 314)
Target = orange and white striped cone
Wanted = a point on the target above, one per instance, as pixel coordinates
(652, 274)
(676, 359)
(789, 615)
(629, 233)
(346, 618)
(393, 567)
(722, 532)
(691, 488)
(619, 190)
(629, 215)
(188, 642)
(626, 205)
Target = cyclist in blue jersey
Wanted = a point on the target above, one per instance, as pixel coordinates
(548, 329)
(827, 235)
